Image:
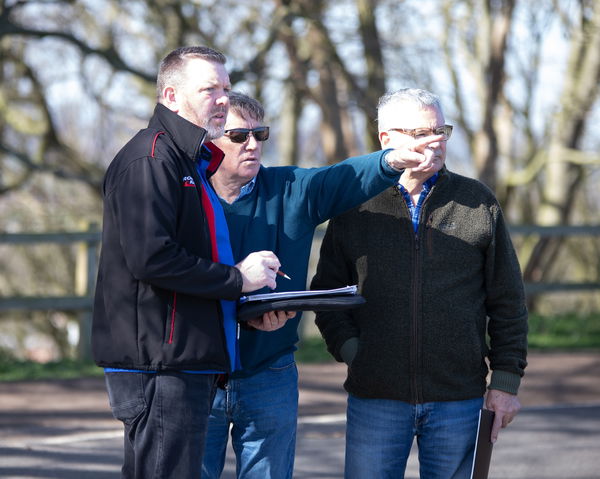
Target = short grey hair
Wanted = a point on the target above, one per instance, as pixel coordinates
(415, 96)
(172, 66)
(245, 106)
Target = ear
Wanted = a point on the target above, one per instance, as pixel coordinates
(384, 139)
(169, 99)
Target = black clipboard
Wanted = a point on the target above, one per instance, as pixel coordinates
(328, 300)
(483, 446)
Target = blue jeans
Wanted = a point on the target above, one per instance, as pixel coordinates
(165, 417)
(380, 433)
(262, 411)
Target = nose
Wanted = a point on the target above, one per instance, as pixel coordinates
(251, 143)
(223, 99)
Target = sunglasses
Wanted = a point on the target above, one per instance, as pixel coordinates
(240, 135)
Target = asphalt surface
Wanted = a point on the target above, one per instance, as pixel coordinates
(64, 429)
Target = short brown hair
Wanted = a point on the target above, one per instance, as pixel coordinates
(172, 65)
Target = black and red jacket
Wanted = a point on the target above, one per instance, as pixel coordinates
(158, 290)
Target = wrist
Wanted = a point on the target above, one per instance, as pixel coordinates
(388, 166)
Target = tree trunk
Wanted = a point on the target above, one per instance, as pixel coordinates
(561, 178)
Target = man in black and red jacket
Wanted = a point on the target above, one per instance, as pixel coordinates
(164, 323)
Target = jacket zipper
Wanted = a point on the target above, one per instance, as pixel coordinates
(416, 309)
(416, 350)
(414, 330)
(416, 291)
(174, 310)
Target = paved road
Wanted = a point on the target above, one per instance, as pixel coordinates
(64, 429)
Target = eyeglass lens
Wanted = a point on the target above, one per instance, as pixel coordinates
(445, 130)
(240, 135)
(418, 133)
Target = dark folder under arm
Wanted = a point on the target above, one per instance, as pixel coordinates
(317, 300)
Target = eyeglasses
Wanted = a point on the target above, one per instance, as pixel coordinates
(240, 135)
(418, 133)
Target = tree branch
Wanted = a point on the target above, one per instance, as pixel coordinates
(110, 54)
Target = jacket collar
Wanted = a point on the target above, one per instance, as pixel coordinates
(211, 158)
(187, 136)
(444, 173)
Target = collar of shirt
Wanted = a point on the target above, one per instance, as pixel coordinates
(246, 189)
(415, 210)
(426, 186)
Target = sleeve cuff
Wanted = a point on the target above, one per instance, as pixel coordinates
(505, 381)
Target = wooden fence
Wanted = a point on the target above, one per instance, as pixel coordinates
(563, 232)
(85, 279)
(87, 258)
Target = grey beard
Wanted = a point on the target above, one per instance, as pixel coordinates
(212, 132)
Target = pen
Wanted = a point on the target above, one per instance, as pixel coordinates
(281, 273)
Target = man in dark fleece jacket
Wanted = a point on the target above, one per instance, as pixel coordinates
(434, 260)
(276, 209)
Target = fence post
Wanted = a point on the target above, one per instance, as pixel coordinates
(85, 279)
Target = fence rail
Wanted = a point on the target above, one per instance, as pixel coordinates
(557, 231)
(90, 240)
(564, 230)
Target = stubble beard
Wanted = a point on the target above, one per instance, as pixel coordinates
(214, 132)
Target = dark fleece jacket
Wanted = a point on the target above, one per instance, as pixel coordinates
(431, 297)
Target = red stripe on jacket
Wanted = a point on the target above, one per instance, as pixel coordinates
(154, 142)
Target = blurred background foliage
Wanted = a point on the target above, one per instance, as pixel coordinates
(518, 79)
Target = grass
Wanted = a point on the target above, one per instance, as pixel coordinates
(564, 332)
(18, 370)
(312, 350)
(546, 333)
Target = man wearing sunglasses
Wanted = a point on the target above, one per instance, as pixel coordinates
(277, 209)
(434, 259)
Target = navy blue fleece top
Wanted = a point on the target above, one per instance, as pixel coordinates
(280, 214)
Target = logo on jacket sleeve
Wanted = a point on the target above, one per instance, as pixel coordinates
(188, 181)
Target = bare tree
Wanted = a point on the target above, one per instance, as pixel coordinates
(538, 176)
(564, 169)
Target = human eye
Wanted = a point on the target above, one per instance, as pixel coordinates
(422, 133)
